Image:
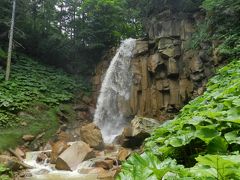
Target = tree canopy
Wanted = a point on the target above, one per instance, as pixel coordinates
(63, 31)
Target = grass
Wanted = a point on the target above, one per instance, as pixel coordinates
(37, 121)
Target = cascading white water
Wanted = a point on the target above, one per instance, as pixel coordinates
(115, 86)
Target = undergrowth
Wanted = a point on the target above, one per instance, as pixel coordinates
(33, 83)
(5, 173)
(33, 100)
(202, 142)
(33, 121)
(221, 25)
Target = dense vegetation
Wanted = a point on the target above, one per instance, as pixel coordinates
(206, 132)
(202, 142)
(32, 98)
(69, 32)
(5, 173)
(221, 26)
(33, 83)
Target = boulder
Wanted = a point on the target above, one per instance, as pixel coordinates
(123, 154)
(63, 136)
(101, 173)
(133, 136)
(19, 152)
(92, 135)
(97, 170)
(73, 156)
(105, 164)
(108, 175)
(42, 157)
(28, 137)
(142, 125)
(127, 132)
(57, 148)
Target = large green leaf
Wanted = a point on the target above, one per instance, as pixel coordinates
(232, 137)
(217, 145)
(224, 166)
(207, 134)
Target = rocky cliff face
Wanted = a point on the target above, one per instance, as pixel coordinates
(166, 72)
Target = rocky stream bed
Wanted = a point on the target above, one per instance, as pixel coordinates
(86, 158)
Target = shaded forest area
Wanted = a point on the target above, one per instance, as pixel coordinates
(66, 33)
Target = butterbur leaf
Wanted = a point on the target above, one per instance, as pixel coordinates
(217, 145)
(232, 137)
(226, 166)
(207, 134)
(181, 140)
(196, 120)
(204, 172)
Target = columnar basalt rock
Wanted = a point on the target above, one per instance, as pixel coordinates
(166, 72)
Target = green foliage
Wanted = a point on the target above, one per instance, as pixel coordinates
(148, 166)
(5, 173)
(217, 167)
(35, 120)
(3, 54)
(108, 21)
(66, 32)
(206, 132)
(221, 24)
(33, 83)
(152, 7)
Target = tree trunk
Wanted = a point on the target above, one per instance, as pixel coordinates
(10, 42)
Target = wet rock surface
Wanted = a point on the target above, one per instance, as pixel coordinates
(134, 135)
(66, 159)
(91, 135)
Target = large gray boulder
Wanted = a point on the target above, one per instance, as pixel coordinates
(140, 128)
(73, 156)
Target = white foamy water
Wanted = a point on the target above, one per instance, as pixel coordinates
(116, 86)
(47, 171)
(52, 173)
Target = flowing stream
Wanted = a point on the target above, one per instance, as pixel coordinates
(47, 171)
(114, 91)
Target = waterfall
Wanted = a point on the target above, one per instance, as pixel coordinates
(115, 90)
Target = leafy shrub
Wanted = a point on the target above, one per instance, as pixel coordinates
(148, 166)
(32, 83)
(222, 24)
(206, 132)
(5, 173)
